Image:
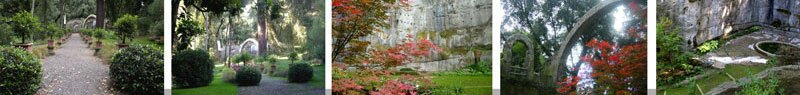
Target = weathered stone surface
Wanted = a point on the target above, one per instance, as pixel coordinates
(447, 23)
(707, 19)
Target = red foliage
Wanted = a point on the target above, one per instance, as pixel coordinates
(568, 84)
(620, 70)
(394, 87)
(402, 53)
(378, 81)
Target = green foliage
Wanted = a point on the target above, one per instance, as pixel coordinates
(24, 24)
(187, 29)
(5, 29)
(480, 67)
(444, 90)
(761, 86)
(293, 56)
(300, 73)
(243, 57)
(192, 68)
(773, 61)
(126, 25)
(21, 72)
(518, 53)
(102, 34)
(228, 75)
(247, 76)
(708, 46)
(138, 70)
(673, 63)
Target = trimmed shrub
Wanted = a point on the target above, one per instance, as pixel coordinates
(192, 68)
(247, 76)
(138, 70)
(21, 72)
(300, 73)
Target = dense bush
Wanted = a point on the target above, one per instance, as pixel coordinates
(247, 76)
(192, 68)
(21, 72)
(138, 70)
(300, 73)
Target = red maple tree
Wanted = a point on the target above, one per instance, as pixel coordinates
(378, 80)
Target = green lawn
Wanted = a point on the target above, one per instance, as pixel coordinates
(713, 80)
(476, 85)
(216, 87)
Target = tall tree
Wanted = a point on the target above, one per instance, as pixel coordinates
(545, 21)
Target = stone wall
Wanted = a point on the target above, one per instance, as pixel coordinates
(703, 20)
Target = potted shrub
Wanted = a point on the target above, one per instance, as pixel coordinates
(50, 31)
(24, 24)
(98, 44)
(126, 25)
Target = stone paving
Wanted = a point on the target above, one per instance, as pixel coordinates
(74, 70)
(275, 86)
(741, 50)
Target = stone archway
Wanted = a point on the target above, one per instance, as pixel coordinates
(526, 70)
(249, 46)
(93, 20)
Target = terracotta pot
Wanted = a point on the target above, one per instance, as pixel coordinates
(122, 45)
(98, 44)
(26, 47)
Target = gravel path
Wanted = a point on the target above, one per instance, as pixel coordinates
(74, 70)
(275, 86)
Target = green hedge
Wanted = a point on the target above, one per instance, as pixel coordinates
(138, 70)
(247, 76)
(300, 73)
(192, 68)
(20, 72)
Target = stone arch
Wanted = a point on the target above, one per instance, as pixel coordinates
(585, 23)
(523, 70)
(94, 20)
(249, 46)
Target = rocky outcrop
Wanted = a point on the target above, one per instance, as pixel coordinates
(708, 19)
(447, 23)
(460, 27)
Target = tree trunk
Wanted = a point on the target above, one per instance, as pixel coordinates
(100, 12)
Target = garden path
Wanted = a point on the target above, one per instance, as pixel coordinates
(74, 70)
(741, 50)
(277, 86)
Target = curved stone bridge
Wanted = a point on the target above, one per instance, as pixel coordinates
(552, 72)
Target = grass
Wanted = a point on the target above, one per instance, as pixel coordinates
(216, 87)
(713, 80)
(477, 85)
